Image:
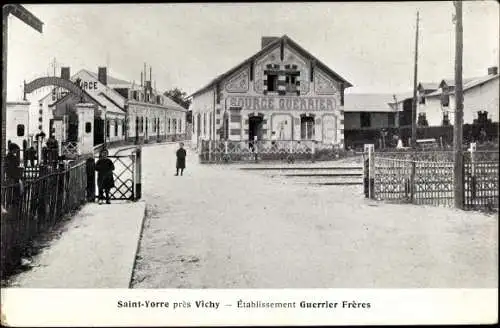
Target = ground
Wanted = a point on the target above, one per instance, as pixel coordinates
(221, 227)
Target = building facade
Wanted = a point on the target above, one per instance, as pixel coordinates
(436, 102)
(281, 89)
(123, 111)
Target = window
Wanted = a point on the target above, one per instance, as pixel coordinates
(446, 118)
(175, 125)
(88, 127)
(391, 119)
(116, 128)
(180, 125)
(142, 124)
(20, 130)
(291, 81)
(445, 100)
(422, 120)
(365, 120)
(307, 128)
(107, 128)
(123, 127)
(272, 82)
(168, 126)
(204, 124)
(422, 100)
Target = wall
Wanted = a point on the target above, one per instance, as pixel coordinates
(17, 114)
(377, 120)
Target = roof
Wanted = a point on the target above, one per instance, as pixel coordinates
(110, 80)
(428, 85)
(468, 83)
(368, 102)
(71, 94)
(269, 46)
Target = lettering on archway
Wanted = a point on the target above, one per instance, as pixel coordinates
(56, 81)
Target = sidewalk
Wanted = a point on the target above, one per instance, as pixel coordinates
(96, 250)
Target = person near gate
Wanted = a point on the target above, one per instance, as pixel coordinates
(105, 181)
(181, 159)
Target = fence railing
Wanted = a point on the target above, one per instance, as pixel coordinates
(213, 151)
(35, 206)
(427, 178)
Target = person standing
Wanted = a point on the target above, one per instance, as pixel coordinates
(181, 159)
(105, 181)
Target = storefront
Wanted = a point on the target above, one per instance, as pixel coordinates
(282, 93)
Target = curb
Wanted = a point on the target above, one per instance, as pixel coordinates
(138, 246)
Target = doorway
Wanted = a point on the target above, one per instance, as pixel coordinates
(255, 127)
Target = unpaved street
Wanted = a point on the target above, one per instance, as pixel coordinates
(220, 227)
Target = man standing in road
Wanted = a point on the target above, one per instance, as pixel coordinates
(181, 159)
(105, 180)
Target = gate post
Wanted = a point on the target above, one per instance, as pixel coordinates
(412, 181)
(370, 149)
(138, 168)
(225, 147)
(90, 168)
(313, 151)
(472, 187)
(209, 151)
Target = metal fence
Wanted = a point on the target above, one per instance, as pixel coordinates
(35, 206)
(215, 151)
(426, 178)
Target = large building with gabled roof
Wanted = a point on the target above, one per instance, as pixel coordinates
(282, 88)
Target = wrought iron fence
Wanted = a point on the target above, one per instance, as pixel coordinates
(214, 151)
(35, 206)
(70, 149)
(427, 178)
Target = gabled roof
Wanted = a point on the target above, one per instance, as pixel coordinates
(110, 79)
(428, 85)
(71, 94)
(468, 83)
(451, 83)
(369, 102)
(269, 46)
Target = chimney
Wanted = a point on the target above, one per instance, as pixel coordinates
(102, 75)
(493, 70)
(267, 40)
(65, 73)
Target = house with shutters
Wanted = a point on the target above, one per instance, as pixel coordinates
(282, 88)
(436, 101)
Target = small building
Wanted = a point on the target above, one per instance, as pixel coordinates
(282, 88)
(17, 123)
(436, 101)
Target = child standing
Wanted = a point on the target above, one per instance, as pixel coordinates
(181, 159)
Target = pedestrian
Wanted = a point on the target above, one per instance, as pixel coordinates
(181, 159)
(105, 181)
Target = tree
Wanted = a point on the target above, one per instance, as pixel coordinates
(180, 97)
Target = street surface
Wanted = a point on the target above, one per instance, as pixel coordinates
(222, 227)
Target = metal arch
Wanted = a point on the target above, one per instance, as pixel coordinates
(57, 81)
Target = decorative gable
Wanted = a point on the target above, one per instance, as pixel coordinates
(239, 82)
(271, 58)
(293, 59)
(324, 85)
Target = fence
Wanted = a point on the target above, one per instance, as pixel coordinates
(426, 178)
(35, 206)
(215, 151)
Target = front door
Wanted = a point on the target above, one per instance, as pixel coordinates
(255, 127)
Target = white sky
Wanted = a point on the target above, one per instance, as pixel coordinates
(369, 44)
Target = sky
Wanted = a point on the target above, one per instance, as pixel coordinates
(369, 44)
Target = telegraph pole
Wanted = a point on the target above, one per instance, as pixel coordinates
(414, 104)
(458, 176)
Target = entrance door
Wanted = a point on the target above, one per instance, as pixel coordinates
(255, 127)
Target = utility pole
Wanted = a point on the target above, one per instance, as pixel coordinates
(458, 178)
(414, 104)
(28, 18)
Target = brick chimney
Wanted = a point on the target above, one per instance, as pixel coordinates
(65, 73)
(102, 75)
(493, 70)
(267, 40)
